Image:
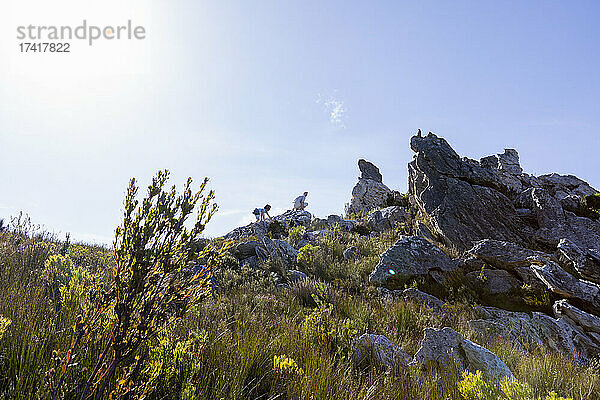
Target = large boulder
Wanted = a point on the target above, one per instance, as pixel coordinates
(369, 192)
(245, 249)
(441, 347)
(531, 330)
(377, 350)
(409, 257)
(276, 249)
(294, 217)
(384, 219)
(464, 200)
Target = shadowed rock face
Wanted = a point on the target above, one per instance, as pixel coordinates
(462, 198)
(466, 200)
(369, 171)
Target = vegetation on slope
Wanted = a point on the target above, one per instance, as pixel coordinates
(68, 314)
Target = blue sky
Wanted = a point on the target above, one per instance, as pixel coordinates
(272, 98)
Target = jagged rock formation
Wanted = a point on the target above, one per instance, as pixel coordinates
(369, 192)
(466, 200)
(518, 238)
(535, 329)
(526, 247)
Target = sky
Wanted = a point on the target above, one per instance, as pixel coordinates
(269, 99)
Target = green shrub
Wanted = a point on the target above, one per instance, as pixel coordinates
(296, 234)
(474, 387)
(311, 259)
(151, 286)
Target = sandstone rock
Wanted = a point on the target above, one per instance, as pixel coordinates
(414, 295)
(410, 256)
(276, 249)
(369, 171)
(350, 253)
(384, 219)
(585, 321)
(503, 255)
(567, 184)
(370, 192)
(556, 224)
(251, 262)
(566, 285)
(585, 262)
(533, 330)
(530, 279)
(424, 232)
(368, 195)
(294, 217)
(378, 351)
(440, 346)
(461, 197)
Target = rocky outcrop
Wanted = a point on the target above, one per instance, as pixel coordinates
(370, 192)
(504, 255)
(384, 219)
(369, 171)
(464, 201)
(467, 200)
(586, 262)
(566, 285)
(377, 350)
(533, 330)
(441, 347)
(411, 256)
(554, 223)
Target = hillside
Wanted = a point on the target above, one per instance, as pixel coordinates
(481, 282)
